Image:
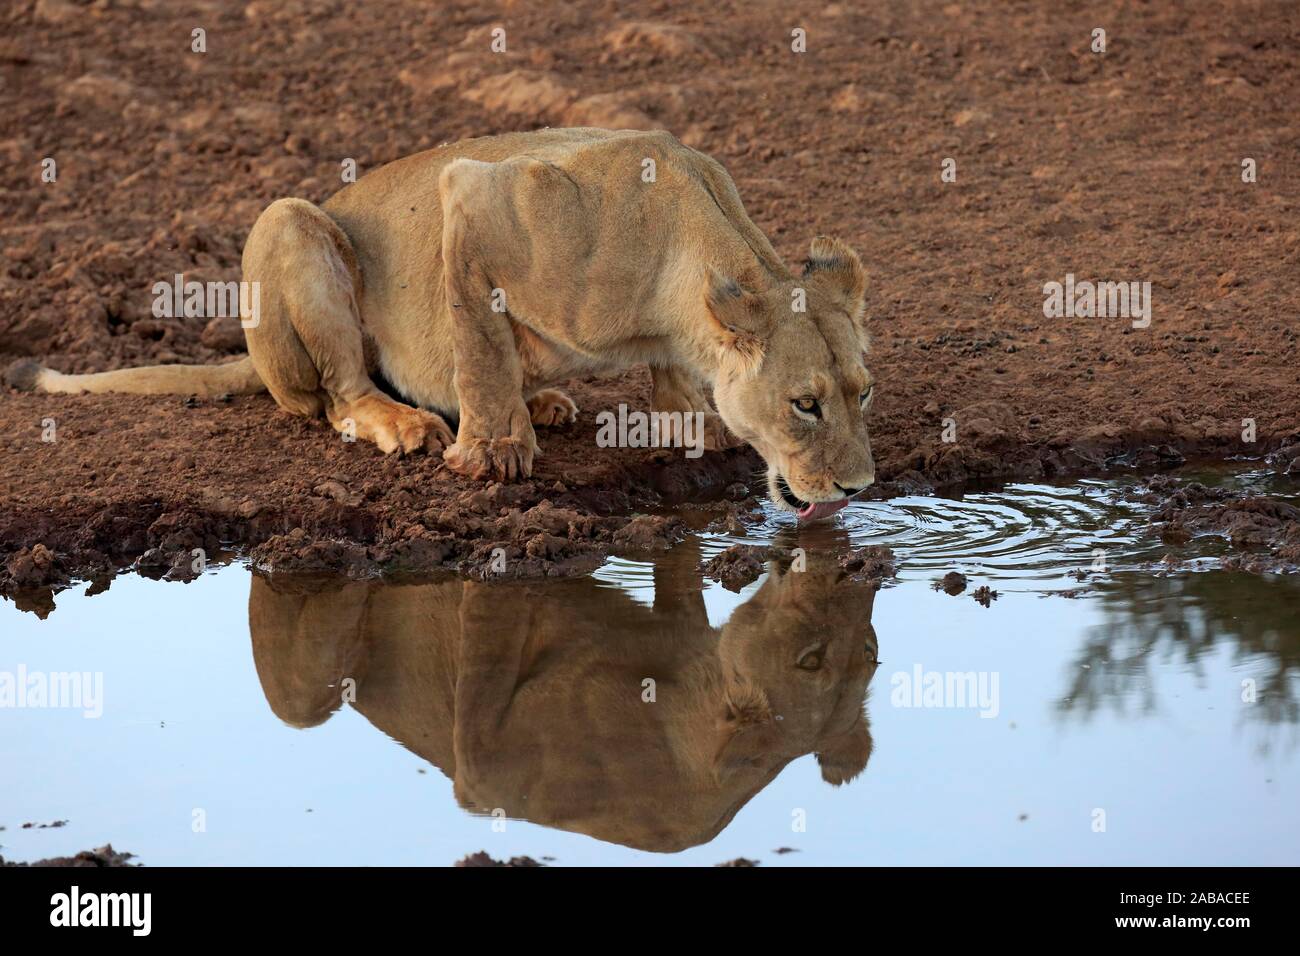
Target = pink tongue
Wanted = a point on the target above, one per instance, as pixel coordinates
(822, 509)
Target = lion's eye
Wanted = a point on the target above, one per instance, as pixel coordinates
(807, 406)
(866, 396)
(810, 661)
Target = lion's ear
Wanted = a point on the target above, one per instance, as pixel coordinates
(739, 323)
(840, 270)
(749, 734)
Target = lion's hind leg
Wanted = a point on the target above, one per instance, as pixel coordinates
(306, 343)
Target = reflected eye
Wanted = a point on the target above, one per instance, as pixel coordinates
(807, 406)
(810, 660)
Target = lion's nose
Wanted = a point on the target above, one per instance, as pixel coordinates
(850, 492)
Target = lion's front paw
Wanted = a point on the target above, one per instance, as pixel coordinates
(551, 406)
(505, 459)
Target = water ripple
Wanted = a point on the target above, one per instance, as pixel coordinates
(1025, 531)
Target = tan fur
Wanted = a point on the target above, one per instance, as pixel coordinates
(206, 381)
(596, 270)
(540, 711)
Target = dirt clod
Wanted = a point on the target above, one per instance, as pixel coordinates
(954, 582)
(871, 563)
(741, 564)
(481, 858)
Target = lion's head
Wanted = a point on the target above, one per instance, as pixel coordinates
(797, 659)
(793, 381)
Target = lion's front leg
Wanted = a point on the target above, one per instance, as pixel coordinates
(676, 391)
(496, 435)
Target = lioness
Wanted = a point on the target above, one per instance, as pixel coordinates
(478, 275)
(546, 712)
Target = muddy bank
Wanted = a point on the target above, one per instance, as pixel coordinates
(742, 564)
(140, 490)
(102, 857)
(164, 162)
(1262, 532)
(165, 486)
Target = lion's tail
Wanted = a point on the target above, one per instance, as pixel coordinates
(205, 381)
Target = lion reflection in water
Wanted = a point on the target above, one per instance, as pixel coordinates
(532, 697)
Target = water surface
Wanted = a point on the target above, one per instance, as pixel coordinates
(1146, 713)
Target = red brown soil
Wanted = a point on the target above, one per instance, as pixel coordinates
(1119, 167)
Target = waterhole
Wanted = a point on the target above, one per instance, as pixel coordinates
(1121, 700)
